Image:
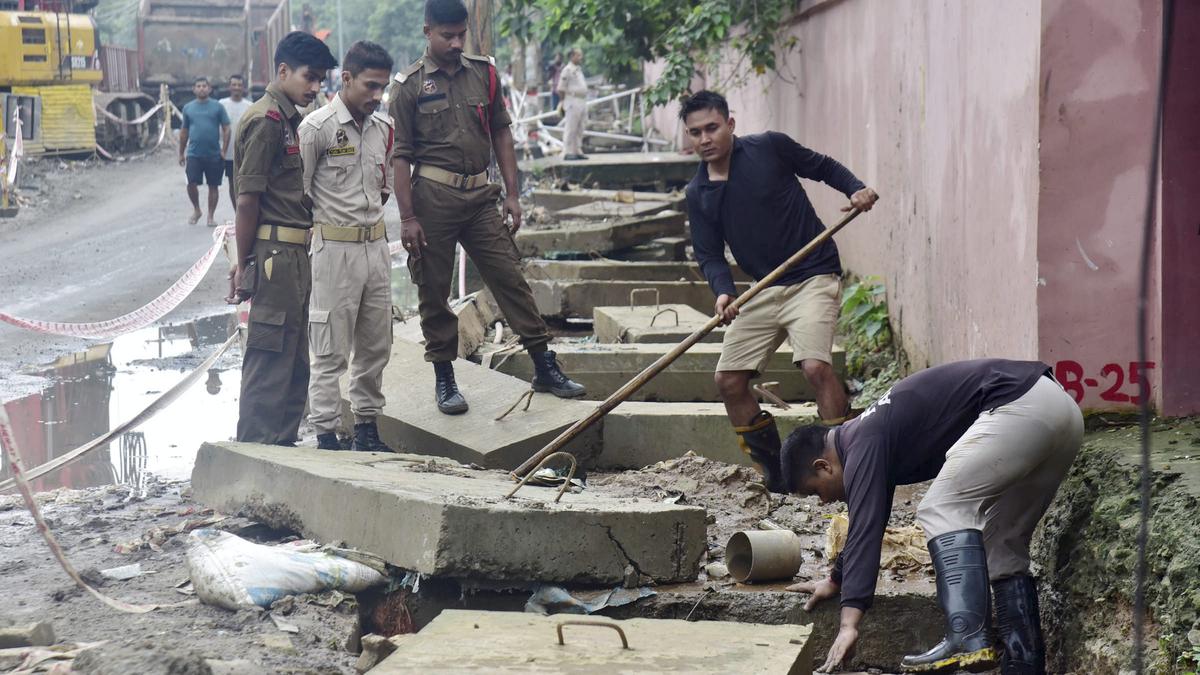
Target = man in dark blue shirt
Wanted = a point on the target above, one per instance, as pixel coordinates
(997, 437)
(746, 195)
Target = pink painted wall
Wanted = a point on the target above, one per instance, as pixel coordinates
(1098, 75)
(935, 105)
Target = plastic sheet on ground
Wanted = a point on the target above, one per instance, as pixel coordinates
(557, 600)
(228, 571)
(903, 547)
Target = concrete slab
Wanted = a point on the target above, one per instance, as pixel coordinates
(656, 171)
(474, 319)
(650, 323)
(612, 210)
(557, 200)
(605, 368)
(411, 421)
(579, 298)
(448, 520)
(640, 433)
(597, 237)
(619, 270)
(460, 641)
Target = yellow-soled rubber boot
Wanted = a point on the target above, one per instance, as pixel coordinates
(760, 440)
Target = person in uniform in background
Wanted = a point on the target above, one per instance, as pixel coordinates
(997, 437)
(573, 87)
(345, 147)
(746, 194)
(449, 117)
(235, 106)
(203, 140)
(274, 221)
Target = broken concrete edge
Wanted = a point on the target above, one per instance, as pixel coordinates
(451, 525)
(36, 634)
(588, 237)
(557, 200)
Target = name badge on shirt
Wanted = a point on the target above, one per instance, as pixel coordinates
(337, 152)
(293, 149)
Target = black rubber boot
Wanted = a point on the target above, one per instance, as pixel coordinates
(449, 400)
(366, 438)
(549, 377)
(962, 587)
(760, 440)
(1020, 626)
(329, 441)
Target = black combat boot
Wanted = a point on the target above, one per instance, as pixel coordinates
(366, 438)
(960, 563)
(760, 440)
(449, 400)
(549, 377)
(329, 441)
(1020, 626)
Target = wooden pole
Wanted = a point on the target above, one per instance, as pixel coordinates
(631, 387)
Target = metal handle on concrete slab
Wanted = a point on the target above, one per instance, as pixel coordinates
(634, 292)
(624, 642)
(631, 387)
(566, 484)
(664, 311)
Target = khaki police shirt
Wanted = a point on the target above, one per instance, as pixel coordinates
(267, 160)
(447, 120)
(346, 169)
(571, 82)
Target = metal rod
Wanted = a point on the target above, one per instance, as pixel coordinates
(631, 387)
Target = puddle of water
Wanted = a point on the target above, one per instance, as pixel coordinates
(107, 384)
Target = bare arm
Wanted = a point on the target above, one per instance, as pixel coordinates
(245, 229)
(506, 158)
(412, 236)
(224, 139)
(183, 139)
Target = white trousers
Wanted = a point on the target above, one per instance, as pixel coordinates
(1001, 476)
(576, 114)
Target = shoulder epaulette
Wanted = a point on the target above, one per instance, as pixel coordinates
(318, 117)
(274, 114)
(482, 57)
(414, 67)
(383, 116)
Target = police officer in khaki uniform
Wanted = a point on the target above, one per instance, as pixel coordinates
(347, 174)
(573, 88)
(273, 226)
(449, 115)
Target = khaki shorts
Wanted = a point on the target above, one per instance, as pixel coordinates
(804, 314)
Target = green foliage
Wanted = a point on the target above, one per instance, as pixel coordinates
(686, 35)
(866, 335)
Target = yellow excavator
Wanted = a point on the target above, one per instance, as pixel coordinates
(49, 66)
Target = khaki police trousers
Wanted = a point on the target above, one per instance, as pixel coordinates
(448, 216)
(1001, 476)
(350, 312)
(575, 108)
(275, 365)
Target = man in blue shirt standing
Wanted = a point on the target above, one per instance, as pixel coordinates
(203, 141)
(746, 195)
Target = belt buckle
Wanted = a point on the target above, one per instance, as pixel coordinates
(463, 181)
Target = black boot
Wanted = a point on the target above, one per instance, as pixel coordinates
(1020, 626)
(366, 438)
(549, 377)
(962, 587)
(329, 441)
(449, 400)
(760, 440)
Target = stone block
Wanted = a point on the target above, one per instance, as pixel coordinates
(566, 299)
(604, 368)
(474, 318)
(411, 421)
(610, 210)
(650, 323)
(37, 634)
(618, 270)
(656, 171)
(585, 237)
(518, 642)
(444, 519)
(558, 200)
(640, 433)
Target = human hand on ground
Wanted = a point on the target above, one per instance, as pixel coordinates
(842, 650)
(862, 200)
(820, 590)
(725, 309)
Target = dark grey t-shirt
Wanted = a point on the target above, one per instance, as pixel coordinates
(902, 439)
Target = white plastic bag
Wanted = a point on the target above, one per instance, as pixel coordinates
(230, 572)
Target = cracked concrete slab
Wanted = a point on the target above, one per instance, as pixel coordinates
(444, 519)
(656, 171)
(412, 422)
(622, 270)
(650, 323)
(557, 200)
(518, 642)
(640, 433)
(580, 298)
(598, 237)
(604, 368)
(612, 209)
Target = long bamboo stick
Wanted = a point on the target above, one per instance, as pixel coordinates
(631, 387)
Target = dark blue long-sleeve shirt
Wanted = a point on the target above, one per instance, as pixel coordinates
(762, 211)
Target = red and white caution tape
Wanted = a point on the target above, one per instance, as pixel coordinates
(121, 120)
(139, 318)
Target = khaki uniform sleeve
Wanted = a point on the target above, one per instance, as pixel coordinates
(312, 146)
(499, 106)
(402, 109)
(261, 143)
(389, 174)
